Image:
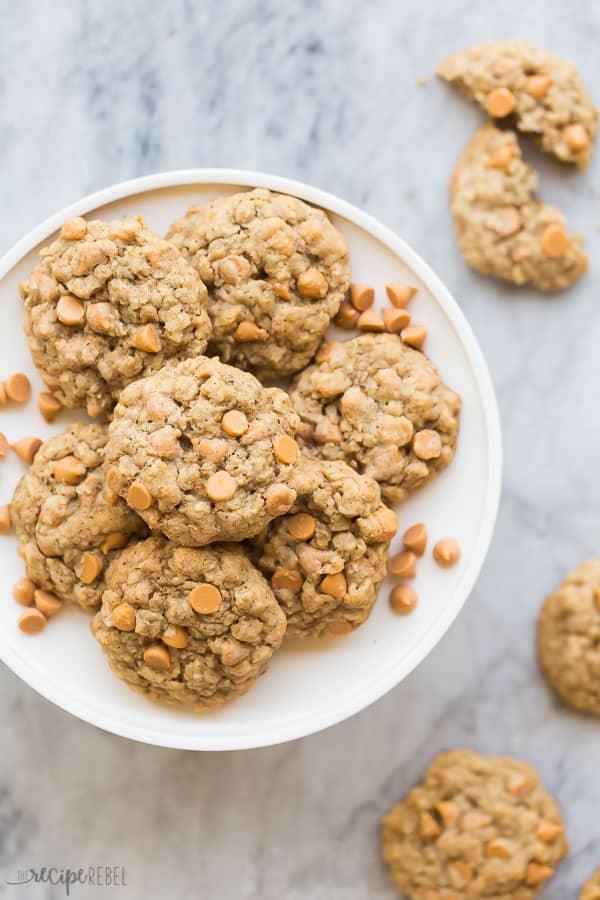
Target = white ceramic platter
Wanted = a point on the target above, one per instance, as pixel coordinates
(310, 685)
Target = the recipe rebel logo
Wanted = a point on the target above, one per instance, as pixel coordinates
(89, 876)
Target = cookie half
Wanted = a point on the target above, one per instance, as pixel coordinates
(477, 826)
(568, 638)
(326, 558)
(276, 269)
(203, 452)
(69, 528)
(503, 229)
(188, 625)
(380, 406)
(540, 92)
(110, 302)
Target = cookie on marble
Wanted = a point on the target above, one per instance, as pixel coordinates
(591, 889)
(188, 624)
(541, 93)
(69, 528)
(568, 638)
(477, 826)
(503, 229)
(380, 406)
(203, 452)
(327, 557)
(110, 302)
(276, 269)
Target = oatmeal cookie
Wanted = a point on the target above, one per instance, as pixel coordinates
(188, 625)
(502, 228)
(478, 826)
(568, 638)
(591, 889)
(541, 93)
(380, 406)
(276, 269)
(110, 302)
(68, 527)
(203, 452)
(327, 557)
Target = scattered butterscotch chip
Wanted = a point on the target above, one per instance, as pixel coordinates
(415, 538)
(575, 137)
(446, 552)
(501, 158)
(175, 636)
(428, 827)
(427, 444)
(115, 540)
(47, 603)
(403, 599)
(138, 496)
(287, 580)
(234, 423)
(339, 628)
(400, 294)
(285, 449)
(146, 339)
(70, 311)
(5, 518)
(23, 591)
(26, 448)
(536, 873)
(555, 241)
(325, 350)
(123, 617)
(538, 85)
(249, 331)
(220, 486)
(347, 316)
(414, 336)
(460, 873)
(157, 657)
(519, 785)
(548, 831)
(447, 810)
(313, 284)
(500, 102)
(369, 320)
(388, 520)
(18, 387)
(395, 319)
(90, 569)
(403, 564)
(205, 599)
(32, 621)
(48, 405)
(302, 526)
(334, 585)
(4, 446)
(362, 296)
(69, 470)
(73, 229)
(498, 848)
(279, 499)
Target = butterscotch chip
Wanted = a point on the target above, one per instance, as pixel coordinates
(403, 564)
(73, 229)
(339, 628)
(400, 294)
(5, 518)
(279, 499)
(549, 831)
(312, 283)
(461, 833)
(123, 617)
(234, 423)
(70, 311)
(145, 338)
(538, 85)
(69, 470)
(347, 317)
(403, 599)
(415, 538)
(285, 449)
(91, 566)
(325, 350)
(362, 296)
(576, 137)
(114, 541)
(446, 552)
(501, 158)
(369, 320)
(47, 603)
(4, 446)
(301, 526)
(26, 448)
(32, 621)
(500, 102)
(18, 387)
(286, 580)
(248, 331)
(220, 487)
(23, 591)
(555, 241)
(209, 604)
(334, 585)
(395, 319)
(427, 444)
(414, 336)
(139, 497)
(48, 405)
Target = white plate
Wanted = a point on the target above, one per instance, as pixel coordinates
(310, 685)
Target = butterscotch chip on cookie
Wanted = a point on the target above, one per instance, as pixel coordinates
(503, 229)
(69, 528)
(540, 92)
(188, 625)
(110, 302)
(327, 557)
(276, 269)
(203, 452)
(383, 408)
(568, 638)
(591, 889)
(477, 826)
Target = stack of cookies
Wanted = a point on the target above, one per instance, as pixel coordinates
(206, 513)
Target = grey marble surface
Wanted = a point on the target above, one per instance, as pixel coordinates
(325, 91)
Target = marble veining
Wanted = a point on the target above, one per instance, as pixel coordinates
(324, 91)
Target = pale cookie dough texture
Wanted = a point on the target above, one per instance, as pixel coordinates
(478, 826)
(68, 527)
(110, 302)
(327, 557)
(540, 93)
(503, 229)
(380, 406)
(188, 625)
(591, 889)
(204, 452)
(276, 270)
(568, 638)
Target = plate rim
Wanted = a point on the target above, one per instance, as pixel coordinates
(391, 677)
